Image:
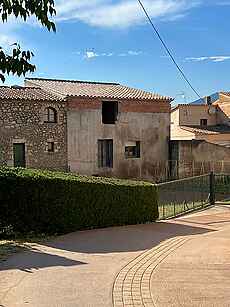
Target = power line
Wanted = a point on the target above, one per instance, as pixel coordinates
(167, 50)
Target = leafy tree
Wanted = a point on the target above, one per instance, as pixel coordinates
(17, 61)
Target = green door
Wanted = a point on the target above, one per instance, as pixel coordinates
(19, 155)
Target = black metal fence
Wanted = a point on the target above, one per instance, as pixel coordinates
(222, 187)
(181, 196)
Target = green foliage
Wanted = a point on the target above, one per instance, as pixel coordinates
(41, 9)
(55, 202)
(19, 61)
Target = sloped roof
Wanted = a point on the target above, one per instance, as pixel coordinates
(225, 108)
(189, 105)
(94, 89)
(222, 143)
(225, 93)
(203, 101)
(218, 129)
(26, 93)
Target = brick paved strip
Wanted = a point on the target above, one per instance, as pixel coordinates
(132, 284)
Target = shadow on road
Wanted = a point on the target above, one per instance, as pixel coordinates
(35, 260)
(123, 239)
(112, 240)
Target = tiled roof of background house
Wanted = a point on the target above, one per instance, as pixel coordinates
(222, 143)
(185, 105)
(26, 93)
(94, 89)
(225, 108)
(218, 129)
(225, 93)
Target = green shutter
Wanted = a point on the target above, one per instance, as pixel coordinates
(19, 155)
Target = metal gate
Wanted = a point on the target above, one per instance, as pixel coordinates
(222, 188)
(180, 196)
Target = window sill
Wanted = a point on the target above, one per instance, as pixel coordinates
(105, 168)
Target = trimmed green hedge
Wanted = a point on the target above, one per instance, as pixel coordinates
(55, 202)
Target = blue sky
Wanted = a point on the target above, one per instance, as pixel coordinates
(108, 40)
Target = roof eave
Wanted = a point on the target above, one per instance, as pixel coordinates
(32, 99)
(166, 99)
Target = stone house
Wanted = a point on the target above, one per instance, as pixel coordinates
(207, 119)
(89, 128)
(32, 128)
(200, 131)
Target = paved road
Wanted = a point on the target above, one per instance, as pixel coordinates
(182, 262)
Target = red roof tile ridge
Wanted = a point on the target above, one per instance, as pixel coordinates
(225, 92)
(5, 86)
(73, 81)
(20, 88)
(206, 130)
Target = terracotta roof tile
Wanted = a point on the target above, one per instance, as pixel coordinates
(225, 93)
(187, 105)
(218, 129)
(94, 89)
(225, 108)
(26, 93)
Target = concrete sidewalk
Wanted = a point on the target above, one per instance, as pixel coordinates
(198, 273)
(85, 268)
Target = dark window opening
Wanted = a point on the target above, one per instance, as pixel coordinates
(203, 122)
(50, 146)
(132, 150)
(50, 115)
(209, 100)
(19, 155)
(105, 153)
(109, 112)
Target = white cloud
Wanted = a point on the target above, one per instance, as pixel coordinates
(92, 54)
(108, 13)
(219, 58)
(6, 40)
(9, 34)
(120, 14)
(197, 59)
(132, 52)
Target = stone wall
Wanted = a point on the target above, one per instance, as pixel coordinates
(202, 151)
(197, 157)
(192, 114)
(23, 122)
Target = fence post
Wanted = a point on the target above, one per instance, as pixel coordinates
(212, 189)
